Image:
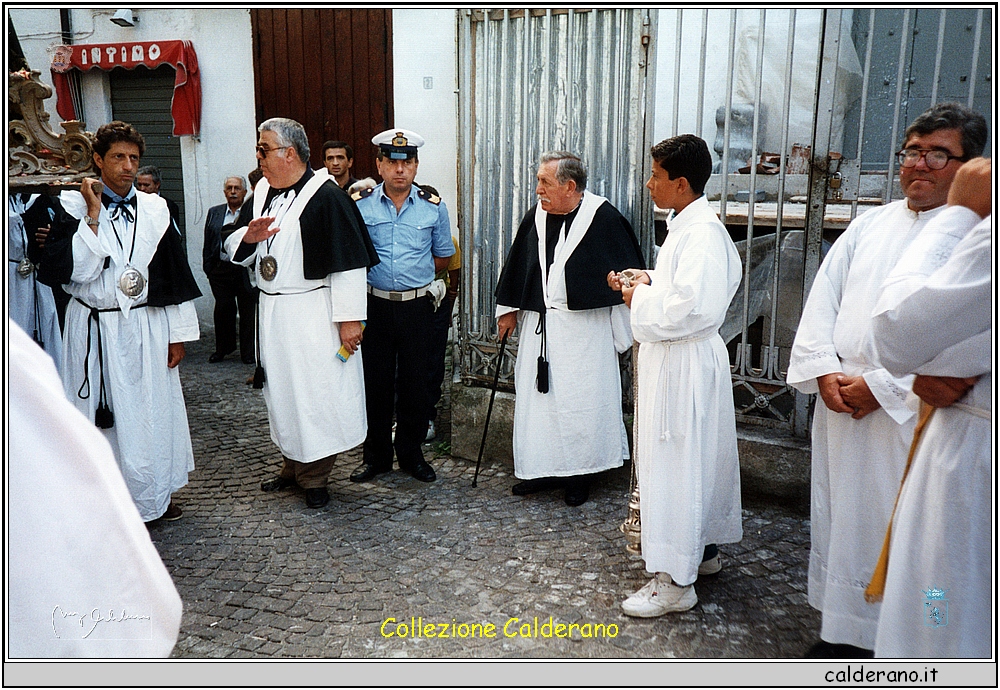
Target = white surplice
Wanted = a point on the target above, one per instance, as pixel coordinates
(315, 402)
(687, 461)
(150, 436)
(856, 464)
(85, 580)
(30, 303)
(940, 324)
(577, 427)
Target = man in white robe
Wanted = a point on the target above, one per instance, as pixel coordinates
(310, 250)
(687, 462)
(936, 322)
(862, 428)
(567, 420)
(117, 253)
(30, 303)
(85, 580)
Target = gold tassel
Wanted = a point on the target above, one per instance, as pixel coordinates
(876, 588)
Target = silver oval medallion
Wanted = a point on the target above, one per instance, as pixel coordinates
(131, 282)
(25, 268)
(268, 267)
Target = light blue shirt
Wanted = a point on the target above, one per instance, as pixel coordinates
(406, 242)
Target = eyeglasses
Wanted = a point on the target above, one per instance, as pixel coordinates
(935, 159)
(263, 150)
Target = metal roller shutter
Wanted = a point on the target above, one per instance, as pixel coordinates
(141, 96)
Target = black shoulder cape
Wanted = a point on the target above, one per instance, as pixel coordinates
(609, 245)
(334, 235)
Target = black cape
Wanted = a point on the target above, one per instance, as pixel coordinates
(609, 245)
(170, 277)
(37, 215)
(334, 235)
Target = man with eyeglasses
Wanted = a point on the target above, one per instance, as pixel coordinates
(310, 250)
(862, 426)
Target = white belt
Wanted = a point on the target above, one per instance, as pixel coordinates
(688, 339)
(404, 296)
(661, 378)
(977, 411)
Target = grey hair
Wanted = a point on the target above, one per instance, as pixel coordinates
(150, 170)
(570, 168)
(970, 123)
(289, 133)
(235, 177)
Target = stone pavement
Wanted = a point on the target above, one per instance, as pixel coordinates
(262, 576)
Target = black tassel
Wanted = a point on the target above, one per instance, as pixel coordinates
(258, 377)
(542, 380)
(104, 418)
(37, 339)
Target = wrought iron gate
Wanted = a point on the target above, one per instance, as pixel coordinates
(804, 109)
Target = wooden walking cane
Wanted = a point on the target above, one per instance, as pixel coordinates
(489, 410)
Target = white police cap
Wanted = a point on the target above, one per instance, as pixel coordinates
(398, 144)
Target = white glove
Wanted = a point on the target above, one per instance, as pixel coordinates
(437, 291)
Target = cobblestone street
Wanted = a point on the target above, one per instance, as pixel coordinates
(262, 576)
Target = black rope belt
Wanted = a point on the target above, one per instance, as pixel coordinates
(258, 373)
(279, 294)
(104, 418)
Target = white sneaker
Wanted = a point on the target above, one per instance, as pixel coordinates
(659, 596)
(711, 566)
(430, 432)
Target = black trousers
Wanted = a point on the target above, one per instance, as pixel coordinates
(396, 349)
(233, 293)
(440, 323)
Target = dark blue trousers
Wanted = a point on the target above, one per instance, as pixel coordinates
(396, 352)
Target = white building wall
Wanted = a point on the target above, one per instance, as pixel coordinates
(424, 77)
(223, 43)
(425, 94)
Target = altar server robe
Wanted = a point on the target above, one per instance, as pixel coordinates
(939, 323)
(856, 464)
(687, 461)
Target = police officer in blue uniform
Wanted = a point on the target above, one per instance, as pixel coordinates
(412, 235)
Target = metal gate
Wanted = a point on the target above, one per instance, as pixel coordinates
(531, 81)
(804, 109)
(813, 110)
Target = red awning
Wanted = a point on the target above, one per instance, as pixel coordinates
(185, 106)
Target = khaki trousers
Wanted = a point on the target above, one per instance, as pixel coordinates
(308, 475)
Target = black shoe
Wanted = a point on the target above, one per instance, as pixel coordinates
(217, 357)
(277, 484)
(367, 471)
(829, 650)
(420, 470)
(533, 486)
(317, 498)
(173, 513)
(577, 491)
